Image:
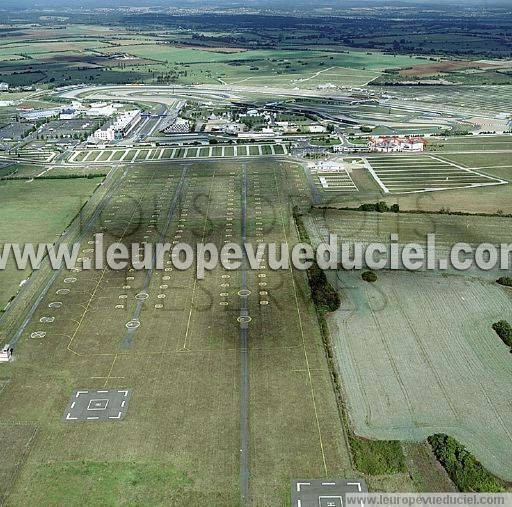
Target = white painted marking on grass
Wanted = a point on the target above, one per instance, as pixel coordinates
(375, 177)
(111, 156)
(74, 155)
(466, 169)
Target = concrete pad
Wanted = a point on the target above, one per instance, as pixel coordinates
(324, 492)
(97, 405)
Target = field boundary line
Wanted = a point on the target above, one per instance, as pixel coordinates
(469, 170)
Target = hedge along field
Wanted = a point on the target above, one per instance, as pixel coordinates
(36, 212)
(418, 356)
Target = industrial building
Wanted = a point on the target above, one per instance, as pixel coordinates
(118, 128)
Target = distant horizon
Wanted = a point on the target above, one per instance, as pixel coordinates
(41, 4)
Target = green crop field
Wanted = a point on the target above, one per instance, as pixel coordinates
(395, 351)
(440, 369)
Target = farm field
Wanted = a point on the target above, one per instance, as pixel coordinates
(36, 212)
(156, 154)
(411, 373)
(473, 143)
(100, 55)
(303, 69)
(174, 343)
(369, 227)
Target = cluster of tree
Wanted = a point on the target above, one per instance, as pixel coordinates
(505, 280)
(504, 331)
(325, 297)
(369, 276)
(381, 207)
(464, 470)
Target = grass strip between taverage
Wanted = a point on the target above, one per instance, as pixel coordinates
(373, 457)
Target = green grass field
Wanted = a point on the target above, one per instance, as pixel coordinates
(180, 440)
(36, 212)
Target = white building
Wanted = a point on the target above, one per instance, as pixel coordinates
(119, 127)
(327, 166)
(4, 87)
(101, 110)
(392, 144)
(317, 129)
(6, 353)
